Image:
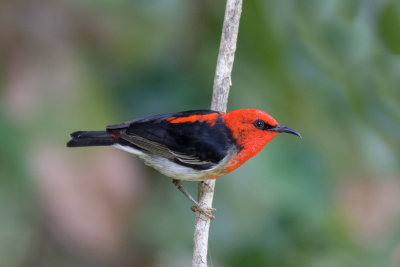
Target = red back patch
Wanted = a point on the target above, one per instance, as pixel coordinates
(208, 118)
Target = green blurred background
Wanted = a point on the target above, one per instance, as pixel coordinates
(329, 69)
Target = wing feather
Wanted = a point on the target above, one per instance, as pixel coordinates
(195, 144)
(190, 159)
(150, 146)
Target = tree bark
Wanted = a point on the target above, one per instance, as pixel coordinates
(222, 83)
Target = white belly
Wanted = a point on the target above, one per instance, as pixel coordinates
(174, 170)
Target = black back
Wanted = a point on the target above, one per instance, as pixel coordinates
(199, 145)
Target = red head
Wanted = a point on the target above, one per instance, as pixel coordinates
(252, 129)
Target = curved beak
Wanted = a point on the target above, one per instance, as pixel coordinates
(283, 129)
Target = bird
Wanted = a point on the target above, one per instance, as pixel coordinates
(195, 145)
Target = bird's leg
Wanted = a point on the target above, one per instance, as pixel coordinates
(196, 206)
(178, 184)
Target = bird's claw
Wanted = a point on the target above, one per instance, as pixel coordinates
(205, 211)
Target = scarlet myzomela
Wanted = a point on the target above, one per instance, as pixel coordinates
(192, 145)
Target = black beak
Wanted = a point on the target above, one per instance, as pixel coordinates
(283, 129)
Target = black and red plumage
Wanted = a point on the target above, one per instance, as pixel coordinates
(191, 145)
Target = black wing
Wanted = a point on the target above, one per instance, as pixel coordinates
(197, 144)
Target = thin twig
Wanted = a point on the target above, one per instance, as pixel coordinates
(222, 83)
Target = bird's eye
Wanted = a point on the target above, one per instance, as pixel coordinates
(259, 124)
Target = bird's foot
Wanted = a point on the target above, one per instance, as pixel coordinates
(196, 207)
(205, 211)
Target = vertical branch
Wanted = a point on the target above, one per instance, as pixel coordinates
(226, 55)
(222, 83)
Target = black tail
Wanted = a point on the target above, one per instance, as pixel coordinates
(90, 138)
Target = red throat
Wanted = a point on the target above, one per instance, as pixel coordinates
(251, 139)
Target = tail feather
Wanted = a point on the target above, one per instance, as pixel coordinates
(90, 138)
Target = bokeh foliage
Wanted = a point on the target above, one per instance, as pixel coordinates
(330, 69)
